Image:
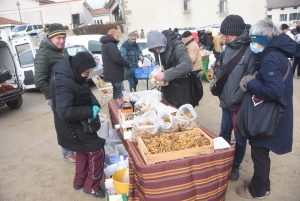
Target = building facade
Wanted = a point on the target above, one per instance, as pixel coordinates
(185, 14)
(73, 13)
(284, 12)
(100, 16)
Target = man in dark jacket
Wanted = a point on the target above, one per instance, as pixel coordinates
(131, 52)
(51, 51)
(233, 30)
(176, 63)
(73, 102)
(113, 62)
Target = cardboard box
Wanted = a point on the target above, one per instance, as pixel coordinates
(174, 155)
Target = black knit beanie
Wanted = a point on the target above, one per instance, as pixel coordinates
(83, 61)
(233, 25)
(56, 29)
(186, 34)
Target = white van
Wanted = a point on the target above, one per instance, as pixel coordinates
(26, 29)
(11, 89)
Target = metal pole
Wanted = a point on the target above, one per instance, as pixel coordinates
(18, 4)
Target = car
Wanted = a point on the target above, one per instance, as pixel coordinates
(91, 42)
(26, 60)
(26, 29)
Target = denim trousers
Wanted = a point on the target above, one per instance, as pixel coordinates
(133, 81)
(118, 87)
(66, 153)
(89, 169)
(226, 130)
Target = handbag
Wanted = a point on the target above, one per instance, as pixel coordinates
(221, 73)
(258, 118)
(183, 90)
(91, 125)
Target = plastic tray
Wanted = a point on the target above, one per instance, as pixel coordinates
(143, 72)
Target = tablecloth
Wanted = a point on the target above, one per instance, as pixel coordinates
(203, 177)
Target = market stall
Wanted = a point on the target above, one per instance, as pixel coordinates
(203, 177)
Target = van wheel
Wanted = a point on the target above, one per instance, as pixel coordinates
(15, 104)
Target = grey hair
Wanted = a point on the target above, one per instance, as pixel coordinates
(265, 27)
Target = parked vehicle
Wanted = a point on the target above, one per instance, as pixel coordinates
(11, 89)
(26, 29)
(26, 60)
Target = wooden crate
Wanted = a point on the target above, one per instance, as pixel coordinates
(175, 155)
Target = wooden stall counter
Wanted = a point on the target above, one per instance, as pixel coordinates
(203, 177)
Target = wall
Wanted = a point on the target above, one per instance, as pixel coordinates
(104, 18)
(160, 15)
(276, 15)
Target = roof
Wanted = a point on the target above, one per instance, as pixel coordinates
(100, 11)
(48, 2)
(4, 20)
(283, 3)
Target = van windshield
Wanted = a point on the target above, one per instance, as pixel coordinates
(19, 28)
(95, 46)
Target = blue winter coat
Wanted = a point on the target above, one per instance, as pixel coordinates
(131, 52)
(269, 86)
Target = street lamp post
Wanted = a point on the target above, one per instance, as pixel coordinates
(18, 4)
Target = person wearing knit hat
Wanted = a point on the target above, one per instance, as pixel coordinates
(74, 103)
(131, 52)
(236, 37)
(193, 50)
(51, 50)
(177, 34)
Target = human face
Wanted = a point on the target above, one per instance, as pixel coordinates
(157, 49)
(228, 38)
(87, 72)
(116, 36)
(59, 41)
(133, 40)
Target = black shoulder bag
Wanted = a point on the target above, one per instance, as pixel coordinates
(221, 73)
(258, 118)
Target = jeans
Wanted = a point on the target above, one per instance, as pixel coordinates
(196, 73)
(226, 129)
(66, 153)
(207, 47)
(133, 81)
(118, 87)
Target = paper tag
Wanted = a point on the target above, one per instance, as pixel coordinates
(127, 135)
(220, 143)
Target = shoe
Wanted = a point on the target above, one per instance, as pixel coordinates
(98, 194)
(78, 187)
(234, 175)
(71, 159)
(244, 192)
(247, 183)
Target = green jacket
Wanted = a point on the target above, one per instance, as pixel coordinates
(46, 57)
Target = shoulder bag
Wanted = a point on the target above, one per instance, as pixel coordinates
(258, 118)
(221, 73)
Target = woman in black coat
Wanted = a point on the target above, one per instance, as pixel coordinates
(73, 101)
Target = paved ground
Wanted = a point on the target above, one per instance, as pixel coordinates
(31, 165)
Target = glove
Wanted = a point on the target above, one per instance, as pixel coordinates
(96, 110)
(245, 80)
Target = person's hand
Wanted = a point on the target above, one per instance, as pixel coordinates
(96, 110)
(141, 58)
(159, 76)
(245, 80)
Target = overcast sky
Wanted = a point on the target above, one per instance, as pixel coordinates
(96, 3)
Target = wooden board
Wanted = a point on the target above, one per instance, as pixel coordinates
(175, 155)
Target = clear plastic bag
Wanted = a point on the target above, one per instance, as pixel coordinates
(174, 128)
(126, 97)
(146, 125)
(157, 69)
(187, 117)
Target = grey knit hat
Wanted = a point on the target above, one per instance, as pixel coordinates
(233, 25)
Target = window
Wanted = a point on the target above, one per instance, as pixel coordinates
(269, 9)
(282, 17)
(95, 46)
(95, 22)
(294, 16)
(281, 8)
(35, 27)
(222, 6)
(117, 14)
(295, 7)
(186, 5)
(101, 22)
(270, 16)
(29, 28)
